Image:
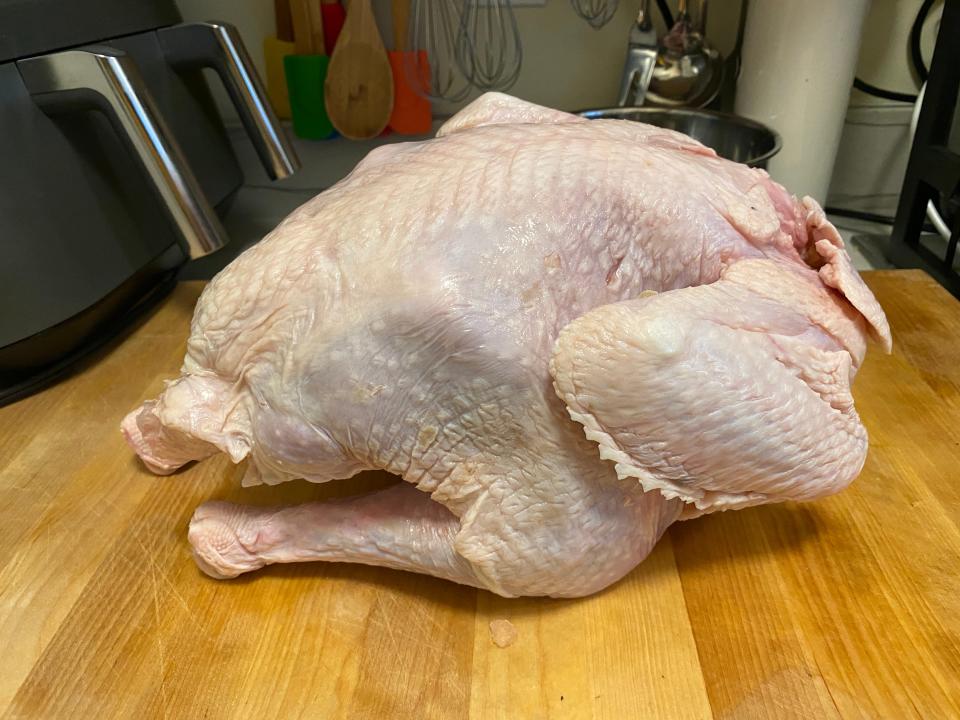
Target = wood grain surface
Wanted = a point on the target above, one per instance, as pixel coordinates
(843, 608)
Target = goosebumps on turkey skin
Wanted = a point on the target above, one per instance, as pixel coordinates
(563, 335)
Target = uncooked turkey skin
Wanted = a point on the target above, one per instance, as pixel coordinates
(564, 335)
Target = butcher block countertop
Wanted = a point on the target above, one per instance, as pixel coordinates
(844, 608)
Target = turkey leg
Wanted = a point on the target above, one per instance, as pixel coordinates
(399, 527)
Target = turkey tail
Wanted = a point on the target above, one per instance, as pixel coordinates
(192, 419)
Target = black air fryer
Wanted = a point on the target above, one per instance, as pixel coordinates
(114, 168)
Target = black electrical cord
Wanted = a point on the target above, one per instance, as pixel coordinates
(665, 13)
(916, 57)
(868, 216)
(859, 215)
(866, 87)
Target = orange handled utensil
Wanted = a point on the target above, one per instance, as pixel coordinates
(411, 113)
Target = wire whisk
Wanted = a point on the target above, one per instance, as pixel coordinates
(434, 69)
(596, 12)
(489, 48)
(462, 45)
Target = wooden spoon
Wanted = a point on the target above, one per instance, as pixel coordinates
(300, 19)
(284, 20)
(359, 86)
(316, 28)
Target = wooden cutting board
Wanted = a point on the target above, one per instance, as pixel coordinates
(846, 607)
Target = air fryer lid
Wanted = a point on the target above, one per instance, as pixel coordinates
(34, 27)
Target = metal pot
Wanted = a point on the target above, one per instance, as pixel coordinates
(733, 137)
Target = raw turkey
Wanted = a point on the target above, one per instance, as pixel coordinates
(563, 335)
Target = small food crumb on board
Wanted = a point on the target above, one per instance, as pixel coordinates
(503, 633)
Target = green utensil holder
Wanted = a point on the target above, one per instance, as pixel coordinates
(306, 75)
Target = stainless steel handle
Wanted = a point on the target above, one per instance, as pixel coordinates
(642, 49)
(218, 46)
(643, 15)
(107, 79)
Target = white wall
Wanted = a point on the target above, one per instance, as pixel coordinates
(569, 65)
(566, 63)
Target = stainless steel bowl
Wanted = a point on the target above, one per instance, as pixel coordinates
(733, 137)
